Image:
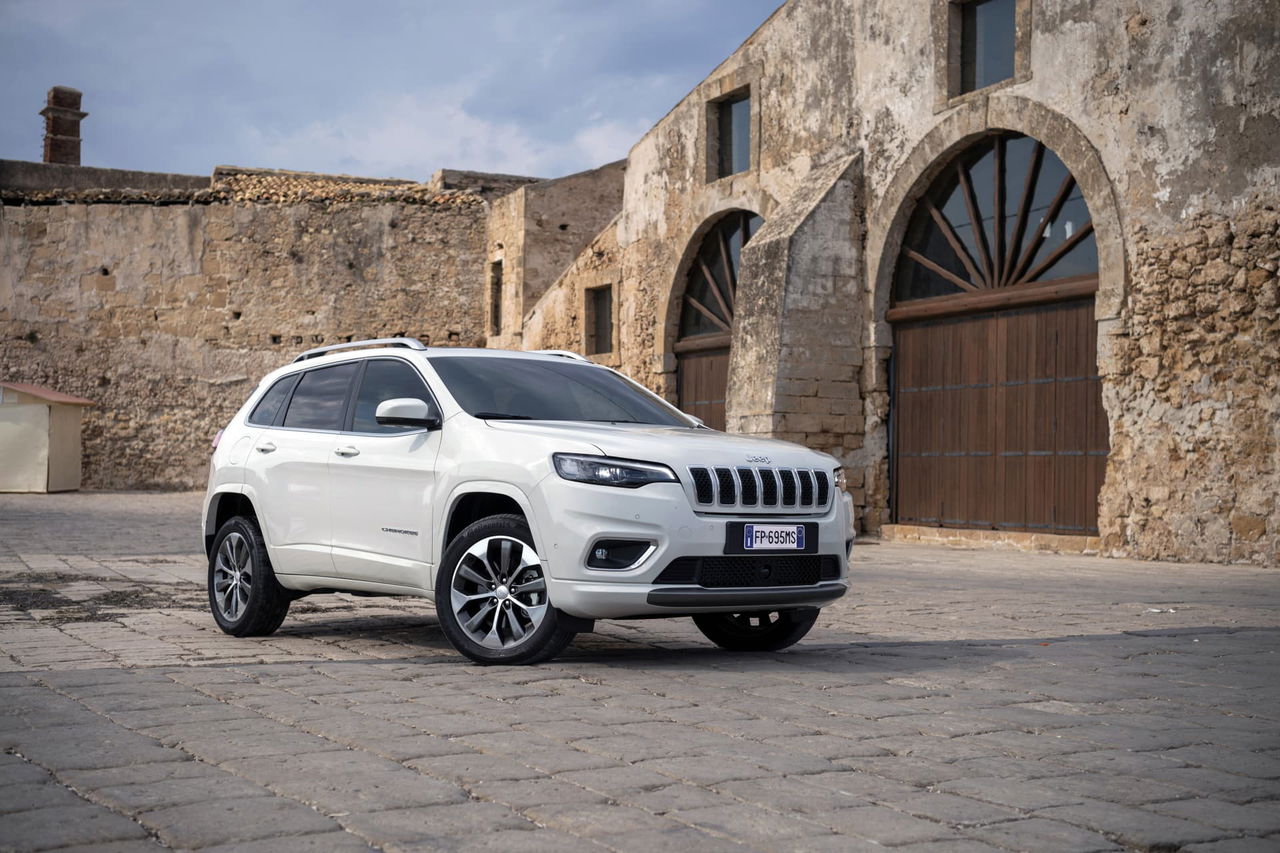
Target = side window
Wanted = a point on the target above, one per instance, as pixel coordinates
(319, 400)
(264, 414)
(387, 379)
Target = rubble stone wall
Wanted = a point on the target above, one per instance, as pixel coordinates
(167, 316)
(1194, 471)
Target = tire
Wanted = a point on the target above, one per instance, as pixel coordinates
(244, 608)
(757, 632)
(484, 619)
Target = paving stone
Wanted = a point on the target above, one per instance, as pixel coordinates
(323, 842)
(951, 809)
(540, 840)
(473, 767)
(438, 825)
(1133, 826)
(63, 826)
(1039, 834)
(673, 797)
(882, 825)
(1230, 760)
(95, 746)
(790, 794)
(677, 839)
(526, 793)
(25, 796)
(132, 799)
(1235, 845)
(702, 771)
(594, 820)
(1130, 790)
(748, 823)
(1014, 793)
(206, 824)
(1259, 819)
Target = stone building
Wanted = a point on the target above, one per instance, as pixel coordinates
(1013, 262)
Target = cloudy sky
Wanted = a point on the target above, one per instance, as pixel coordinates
(395, 88)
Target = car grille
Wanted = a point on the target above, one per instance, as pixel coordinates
(776, 490)
(797, 570)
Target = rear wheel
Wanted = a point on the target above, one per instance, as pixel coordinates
(491, 595)
(244, 595)
(756, 632)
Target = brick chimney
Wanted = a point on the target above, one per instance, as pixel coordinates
(62, 126)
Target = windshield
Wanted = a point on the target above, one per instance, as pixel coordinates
(529, 389)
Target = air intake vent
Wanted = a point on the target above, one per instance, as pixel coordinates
(702, 485)
(768, 487)
(806, 488)
(750, 492)
(788, 486)
(728, 491)
(824, 490)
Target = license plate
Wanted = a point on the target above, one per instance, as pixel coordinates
(773, 537)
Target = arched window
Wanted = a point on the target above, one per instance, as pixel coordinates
(1004, 214)
(706, 317)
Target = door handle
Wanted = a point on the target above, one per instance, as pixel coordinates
(266, 447)
(347, 451)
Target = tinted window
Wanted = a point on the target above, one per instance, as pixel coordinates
(318, 402)
(385, 379)
(551, 390)
(264, 414)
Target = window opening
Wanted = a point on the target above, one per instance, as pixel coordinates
(600, 320)
(733, 135)
(987, 43)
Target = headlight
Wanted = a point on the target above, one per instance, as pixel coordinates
(603, 471)
(842, 481)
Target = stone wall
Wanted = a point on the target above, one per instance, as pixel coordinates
(558, 320)
(168, 315)
(1194, 472)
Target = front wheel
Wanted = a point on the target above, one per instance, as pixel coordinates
(491, 595)
(756, 632)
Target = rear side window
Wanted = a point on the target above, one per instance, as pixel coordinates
(320, 398)
(264, 414)
(387, 379)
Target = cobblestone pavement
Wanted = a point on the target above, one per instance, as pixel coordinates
(956, 700)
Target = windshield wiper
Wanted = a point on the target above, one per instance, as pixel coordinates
(501, 416)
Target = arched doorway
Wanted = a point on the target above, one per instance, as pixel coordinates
(997, 410)
(706, 317)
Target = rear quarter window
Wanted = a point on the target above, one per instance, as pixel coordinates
(264, 414)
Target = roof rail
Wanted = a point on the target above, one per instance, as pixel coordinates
(563, 353)
(408, 343)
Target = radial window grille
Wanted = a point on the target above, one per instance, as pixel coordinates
(1006, 213)
(712, 285)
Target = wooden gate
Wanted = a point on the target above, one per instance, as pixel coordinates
(702, 380)
(998, 420)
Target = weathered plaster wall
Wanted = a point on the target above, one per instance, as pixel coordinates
(167, 316)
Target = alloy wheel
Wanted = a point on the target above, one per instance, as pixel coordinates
(498, 592)
(233, 576)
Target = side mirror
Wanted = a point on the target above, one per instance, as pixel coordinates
(407, 411)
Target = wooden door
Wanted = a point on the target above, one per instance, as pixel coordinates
(998, 420)
(702, 379)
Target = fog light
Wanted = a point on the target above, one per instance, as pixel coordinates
(618, 553)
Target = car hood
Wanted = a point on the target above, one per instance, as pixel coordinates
(674, 446)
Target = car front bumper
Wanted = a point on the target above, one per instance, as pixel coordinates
(569, 518)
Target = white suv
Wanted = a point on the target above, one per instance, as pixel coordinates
(530, 493)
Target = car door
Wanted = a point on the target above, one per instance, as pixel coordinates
(383, 481)
(288, 471)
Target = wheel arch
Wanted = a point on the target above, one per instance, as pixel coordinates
(223, 505)
(473, 501)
